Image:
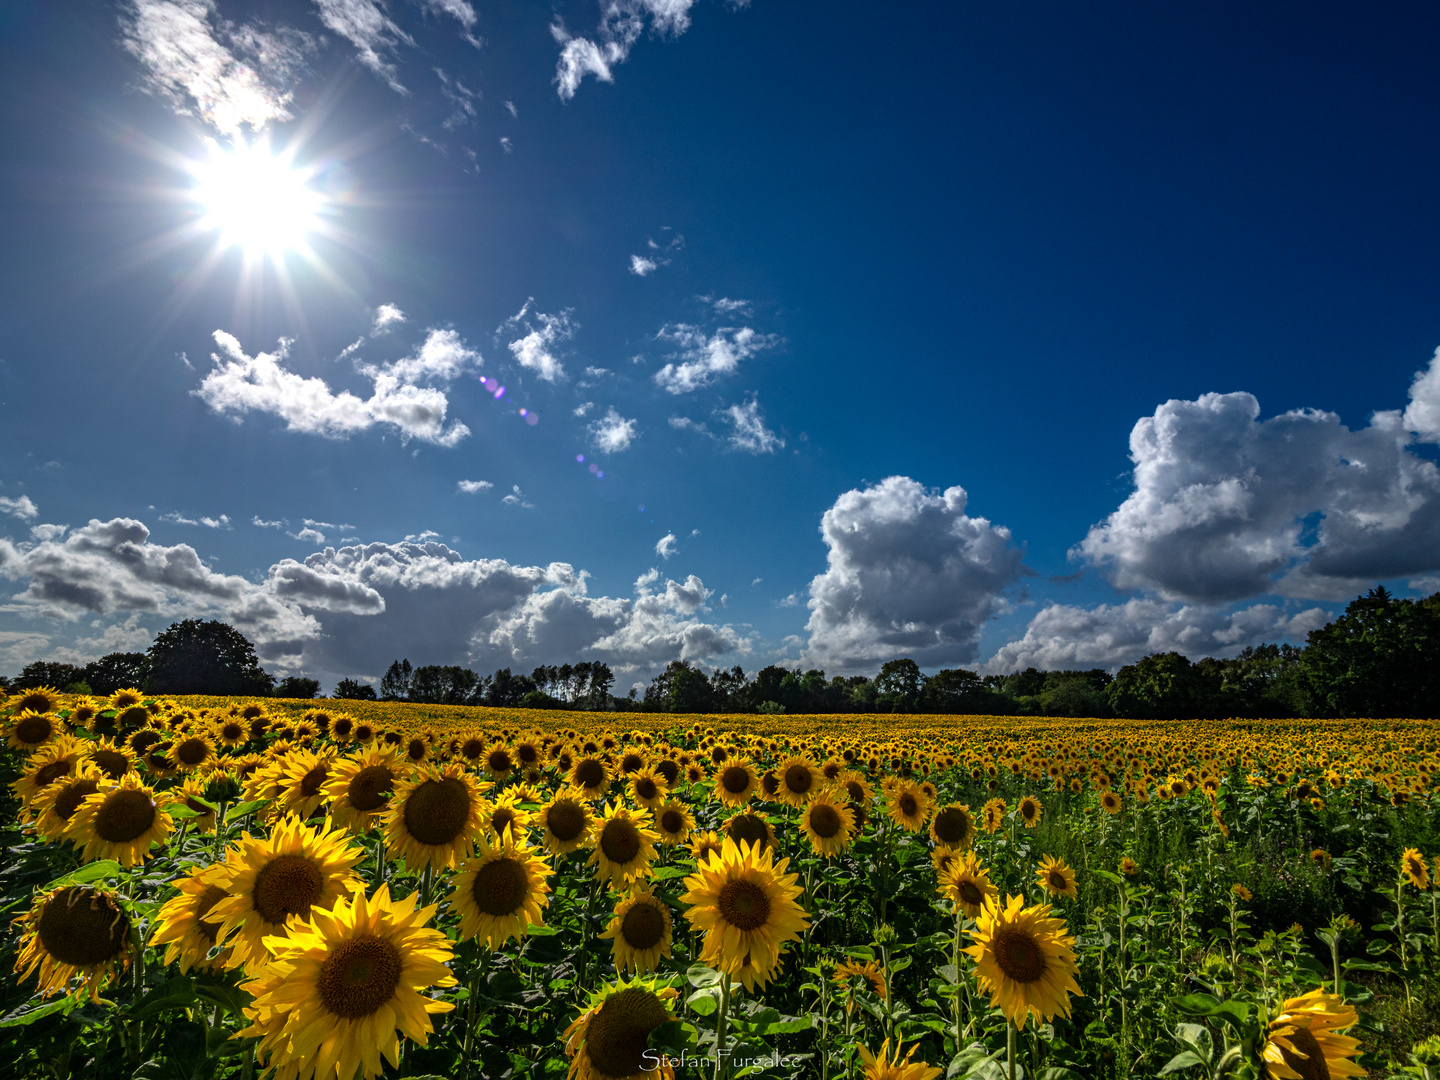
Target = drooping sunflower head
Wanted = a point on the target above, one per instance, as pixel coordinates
(1305, 1042)
(1129, 867)
(608, 1040)
(185, 925)
(624, 845)
(966, 884)
(120, 821)
(191, 795)
(953, 827)
(829, 824)
(993, 814)
(1025, 959)
(501, 890)
(566, 821)
(674, 822)
(1056, 878)
(853, 973)
(641, 931)
(1030, 811)
(74, 931)
(704, 844)
(435, 816)
(799, 780)
(1414, 868)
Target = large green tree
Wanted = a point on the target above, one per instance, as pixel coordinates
(1381, 658)
(204, 657)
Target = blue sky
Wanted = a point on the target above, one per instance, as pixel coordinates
(983, 334)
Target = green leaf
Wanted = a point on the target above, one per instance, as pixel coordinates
(701, 976)
(702, 1002)
(239, 810)
(87, 874)
(1198, 1004)
(665, 873)
(1186, 1059)
(24, 1017)
(1106, 875)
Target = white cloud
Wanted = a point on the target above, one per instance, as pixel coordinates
(684, 423)
(665, 546)
(621, 24)
(461, 97)
(260, 522)
(229, 75)
(510, 108)
(909, 574)
(1063, 636)
(596, 372)
(703, 357)
(612, 433)
(643, 265)
(1228, 506)
(471, 487)
(1422, 415)
(459, 10)
(749, 432)
(506, 144)
(309, 536)
(23, 507)
(725, 306)
(517, 498)
(239, 384)
(793, 600)
(640, 266)
(583, 409)
(366, 26)
(386, 316)
(535, 349)
(222, 522)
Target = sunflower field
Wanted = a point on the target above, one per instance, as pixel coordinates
(197, 888)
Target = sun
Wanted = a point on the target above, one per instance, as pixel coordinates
(256, 199)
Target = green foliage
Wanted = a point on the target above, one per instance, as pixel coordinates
(199, 657)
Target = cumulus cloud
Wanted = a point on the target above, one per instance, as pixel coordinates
(1228, 506)
(641, 266)
(386, 316)
(472, 487)
(535, 350)
(1063, 636)
(621, 24)
(748, 431)
(309, 535)
(909, 574)
(227, 74)
(23, 507)
(665, 546)
(700, 358)
(375, 36)
(403, 396)
(612, 433)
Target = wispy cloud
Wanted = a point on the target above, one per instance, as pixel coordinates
(612, 433)
(473, 487)
(666, 546)
(221, 522)
(656, 257)
(517, 498)
(535, 350)
(621, 24)
(748, 431)
(701, 357)
(365, 25)
(23, 507)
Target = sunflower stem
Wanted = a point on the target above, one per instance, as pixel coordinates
(1010, 1049)
(955, 963)
(427, 878)
(720, 1058)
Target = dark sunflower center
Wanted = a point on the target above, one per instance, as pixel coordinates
(82, 927)
(825, 821)
(436, 811)
(500, 887)
(499, 761)
(770, 783)
(643, 926)
(672, 821)
(631, 762)
(909, 805)
(735, 778)
(471, 749)
(750, 829)
(855, 792)
(48, 774)
(142, 741)
(589, 773)
(69, 800)
(645, 788)
(1028, 810)
(34, 729)
(527, 753)
(620, 841)
(111, 762)
(212, 895)
(191, 752)
(617, 1035)
(1018, 955)
(359, 976)
(1313, 1065)
(124, 816)
(669, 769)
(199, 807)
(36, 702)
(744, 905)
(311, 781)
(370, 788)
(798, 780)
(286, 885)
(566, 821)
(415, 749)
(952, 825)
(502, 819)
(1058, 882)
(970, 893)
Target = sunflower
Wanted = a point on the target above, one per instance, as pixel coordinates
(498, 763)
(736, 781)
(591, 776)
(992, 814)
(799, 780)
(908, 806)
(966, 884)
(886, 1067)
(507, 813)
(435, 817)
(744, 901)
(1304, 1041)
(30, 730)
(41, 699)
(829, 824)
(1111, 802)
(608, 1040)
(751, 827)
(648, 788)
(114, 760)
(860, 794)
(269, 879)
(191, 750)
(302, 782)
(953, 826)
(191, 795)
(703, 844)
(70, 931)
(1414, 869)
(501, 890)
(642, 931)
(357, 788)
(182, 924)
(1025, 959)
(120, 821)
(673, 822)
(566, 822)
(846, 974)
(50, 763)
(1129, 867)
(1057, 878)
(345, 984)
(1030, 811)
(624, 845)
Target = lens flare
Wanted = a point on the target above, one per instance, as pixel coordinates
(255, 199)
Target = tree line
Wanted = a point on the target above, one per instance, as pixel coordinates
(1380, 658)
